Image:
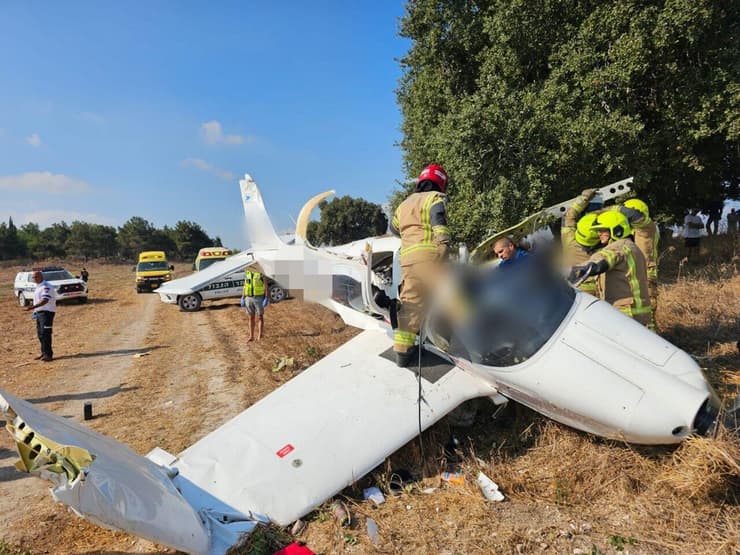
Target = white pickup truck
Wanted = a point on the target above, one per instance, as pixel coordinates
(66, 285)
(220, 280)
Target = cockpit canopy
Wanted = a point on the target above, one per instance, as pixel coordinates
(502, 316)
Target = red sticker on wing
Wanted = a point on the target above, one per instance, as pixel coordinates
(285, 450)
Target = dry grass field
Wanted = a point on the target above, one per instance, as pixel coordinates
(566, 491)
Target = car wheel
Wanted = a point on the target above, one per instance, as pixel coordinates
(190, 303)
(138, 289)
(277, 294)
(82, 300)
(22, 300)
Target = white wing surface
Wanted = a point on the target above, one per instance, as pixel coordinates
(323, 430)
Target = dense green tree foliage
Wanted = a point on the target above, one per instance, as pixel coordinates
(526, 102)
(11, 245)
(189, 238)
(91, 240)
(88, 240)
(346, 219)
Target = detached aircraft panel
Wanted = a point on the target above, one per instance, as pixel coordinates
(322, 430)
(119, 489)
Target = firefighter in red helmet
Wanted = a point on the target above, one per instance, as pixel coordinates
(421, 223)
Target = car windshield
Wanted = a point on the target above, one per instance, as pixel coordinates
(205, 262)
(56, 275)
(512, 312)
(150, 266)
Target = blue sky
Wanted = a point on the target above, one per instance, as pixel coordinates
(155, 109)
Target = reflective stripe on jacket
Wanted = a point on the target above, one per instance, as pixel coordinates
(624, 284)
(421, 222)
(254, 284)
(646, 239)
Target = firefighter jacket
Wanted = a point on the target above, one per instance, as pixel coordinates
(646, 239)
(421, 222)
(575, 254)
(254, 284)
(624, 285)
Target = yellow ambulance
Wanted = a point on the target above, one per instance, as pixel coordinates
(209, 255)
(152, 270)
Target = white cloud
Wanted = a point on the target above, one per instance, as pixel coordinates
(202, 165)
(213, 134)
(43, 182)
(34, 140)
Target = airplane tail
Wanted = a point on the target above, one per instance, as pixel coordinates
(260, 233)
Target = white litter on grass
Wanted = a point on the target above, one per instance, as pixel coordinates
(374, 495)
(489, 488)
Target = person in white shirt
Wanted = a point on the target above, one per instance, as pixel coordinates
(44, 308)
(692, 226)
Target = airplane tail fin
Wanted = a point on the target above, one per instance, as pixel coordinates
(260, 233)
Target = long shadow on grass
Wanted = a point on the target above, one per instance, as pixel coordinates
(118, 353)
(10, 474)
(110, 392)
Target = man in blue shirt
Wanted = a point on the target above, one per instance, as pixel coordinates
(508, 252)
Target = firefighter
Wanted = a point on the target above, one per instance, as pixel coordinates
(646, 239)
(421, 223)
(578, 239)
(620, 267)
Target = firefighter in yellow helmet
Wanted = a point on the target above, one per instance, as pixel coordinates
(421, 223)
(646, 239)
(620, 267)
(578, 239)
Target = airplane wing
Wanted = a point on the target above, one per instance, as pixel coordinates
(279, 459)
(324, 429)
(528, 226)
(301, 226)
(214, 272)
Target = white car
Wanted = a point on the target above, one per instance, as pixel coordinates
(66, 285)
(217, 281)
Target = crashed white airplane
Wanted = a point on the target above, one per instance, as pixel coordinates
(533, 339)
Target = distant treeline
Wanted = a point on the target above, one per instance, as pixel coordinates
(83, 239)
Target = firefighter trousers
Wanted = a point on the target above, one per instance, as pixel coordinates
(418, 281)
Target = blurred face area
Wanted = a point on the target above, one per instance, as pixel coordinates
(504, 249)
(37, 277)
(604, 236)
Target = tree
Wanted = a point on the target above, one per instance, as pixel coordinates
(527, 102)
(91, 240)
(346, 219)
(189, 238)
(136, 235)
(11, 245)
(52, 241)
(30, 235)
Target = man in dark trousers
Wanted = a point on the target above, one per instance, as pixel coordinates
(44, 308)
